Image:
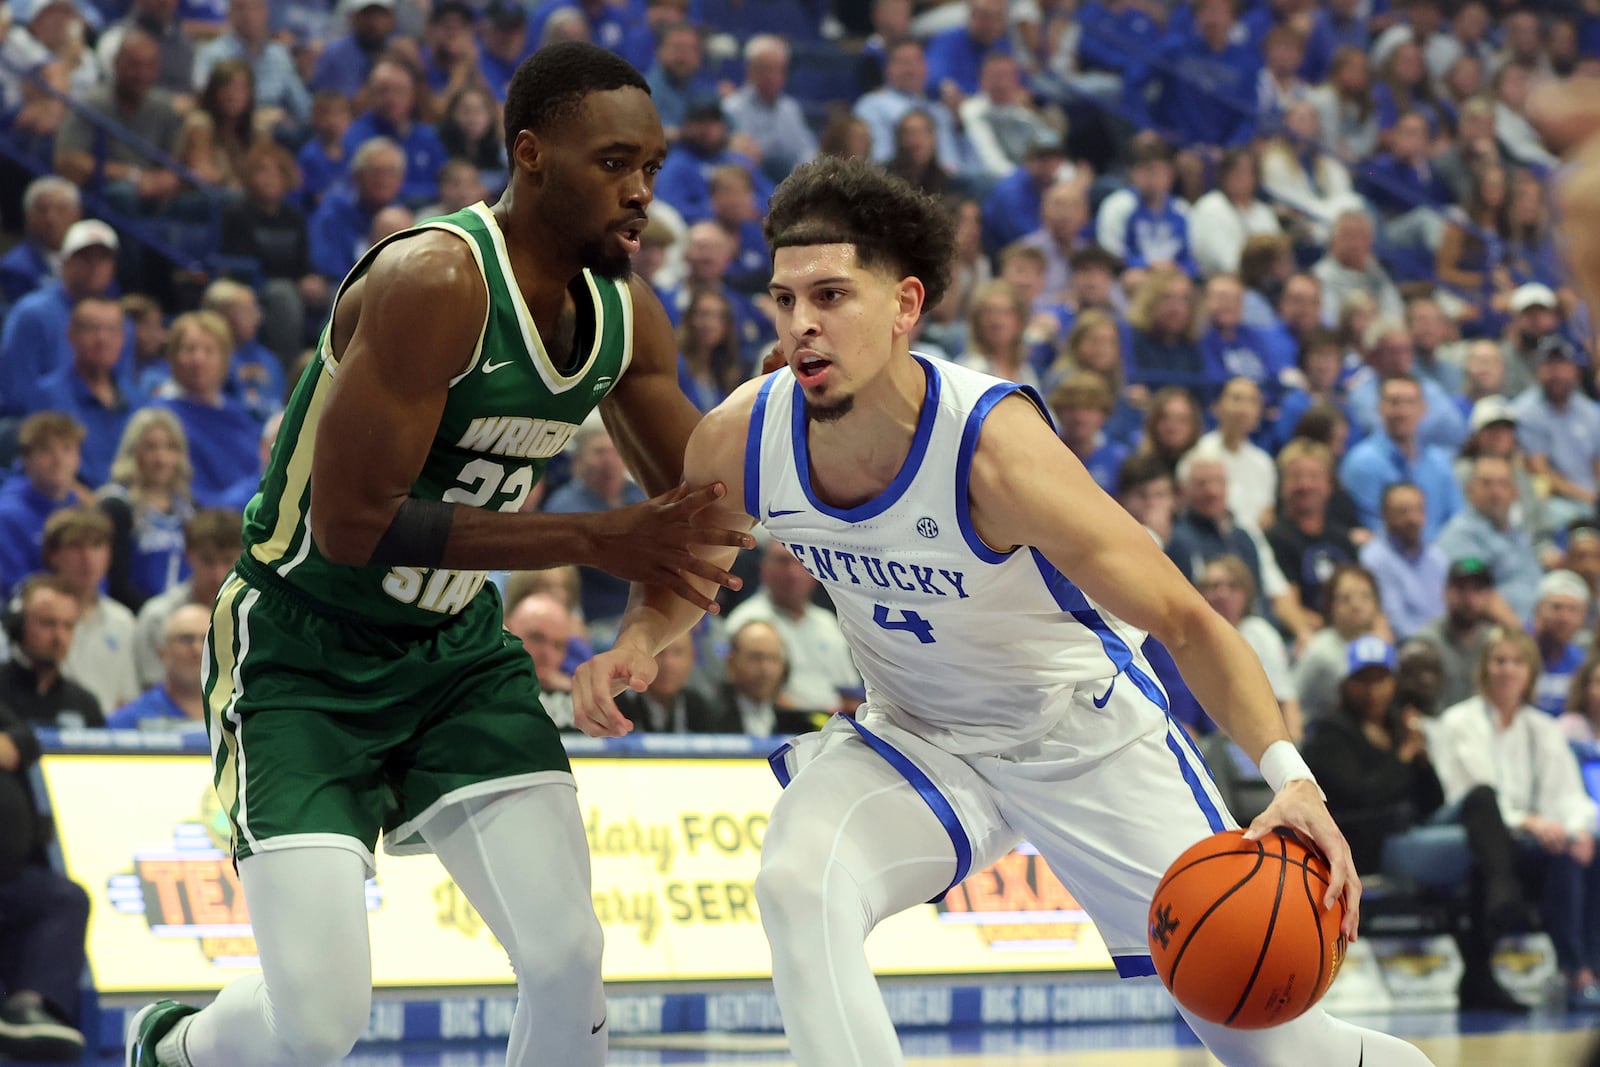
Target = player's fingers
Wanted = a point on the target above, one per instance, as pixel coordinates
(1260, 827)
(710, 571)
(1352, 905)
(687, 590)
(695, 499)
(722, 538)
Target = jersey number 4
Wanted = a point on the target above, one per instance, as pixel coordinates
(909, 621)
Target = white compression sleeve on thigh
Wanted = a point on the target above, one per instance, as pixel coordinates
(522, 859)
(311, 1001)
(850, 843)
(1315, 1039)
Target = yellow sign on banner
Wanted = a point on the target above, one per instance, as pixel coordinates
(675, 845)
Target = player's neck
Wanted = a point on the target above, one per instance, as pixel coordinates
(867, 447)
(540, 271)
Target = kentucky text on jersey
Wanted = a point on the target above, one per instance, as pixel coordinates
(858, 568)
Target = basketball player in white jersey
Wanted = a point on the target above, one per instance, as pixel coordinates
(995, 600)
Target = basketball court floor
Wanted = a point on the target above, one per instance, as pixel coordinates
(1451, 1041)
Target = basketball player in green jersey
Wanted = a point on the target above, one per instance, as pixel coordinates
(357, 676)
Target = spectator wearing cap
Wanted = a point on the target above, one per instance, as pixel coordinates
(393, 93)
(684, 180)
(503, 44)
(281, 96)
(956, 55)
(176, 703)
(771, 118)
(1558, 617)
(1012, 208)
(1458, 635)
(1389, 349)
(1559, 431)
(1494, 433)
(678, 75)
(347, 61)
(132, 180)
(1484, 530)
(51, 443)
(1410, 570)
(175, 48)
(1498, 738)
(49, 208)
(1225, 114)
(35, 342)
(905, 79)
(1535, 315)
(342, 224)
(87, 387)
(1375, 767)
(1395, 452)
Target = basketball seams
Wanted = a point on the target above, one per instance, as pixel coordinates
(1266, 937)
(1194, 927)
(1322, 942)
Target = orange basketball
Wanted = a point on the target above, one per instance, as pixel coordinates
(1238, 932)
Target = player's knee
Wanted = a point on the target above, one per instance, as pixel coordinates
(790, 896)
(560, 956)
(322, 1024)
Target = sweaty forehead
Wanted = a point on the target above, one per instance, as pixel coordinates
(799, 265)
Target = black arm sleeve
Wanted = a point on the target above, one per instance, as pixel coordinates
(119, 579)
(417, 535)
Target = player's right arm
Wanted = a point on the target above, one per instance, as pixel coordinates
(402, 332)
(655, 617)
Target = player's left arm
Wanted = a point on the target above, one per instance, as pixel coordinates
(646, 413)
(1089, 538)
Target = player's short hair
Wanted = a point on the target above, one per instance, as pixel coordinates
(1300, 448)
(214, 530)
(549, 87)
(47, 427)
(83, 525)
(850, 201)
(1084, 389)
(1017, 250)
(1139, 470)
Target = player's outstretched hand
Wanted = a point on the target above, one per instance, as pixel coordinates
(1299, 807)
(652, 542)
(596, 683)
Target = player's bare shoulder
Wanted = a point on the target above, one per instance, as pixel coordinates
(716, 449)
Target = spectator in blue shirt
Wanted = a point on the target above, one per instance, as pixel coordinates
(1389, 350)
(49, 208)
(733, 207)
(708, 252)
(904, 89)
(503, 44)
(599, 482)
(685, 178)
(1321, 363)
(341, 227)
(346, 61)
(221, 431)
(1165, 315)
(1335, 24)
(322, 159)
(1204, 86)
(393, 92)
(1559, 431)
(1404, 187)
(606, 21)
(1410, 569)
(177, 703)
(1082, 404)
(1395, 453)
(1012, 208)
(255, 376)
(1558, 617)
(280, 94)
(955, 56)
(33, 343)
(1403, 86)
(1484, 530)
(678, 77)
(51, 444)
(1113, 33)
(1233, 349)
(761, 111)
(87, 387)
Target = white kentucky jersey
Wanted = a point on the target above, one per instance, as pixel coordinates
(977, 650)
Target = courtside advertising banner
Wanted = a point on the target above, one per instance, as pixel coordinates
(675, 844)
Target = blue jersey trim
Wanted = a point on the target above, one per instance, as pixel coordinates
(969, 447)
(941, 806)
(908, 470)
(779, 761)
(1134, 966)
(1073, 602)
(752, 450)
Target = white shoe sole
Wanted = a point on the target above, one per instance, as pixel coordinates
(131, 1034)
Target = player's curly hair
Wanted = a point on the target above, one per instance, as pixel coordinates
(548, 87)
(850, 201)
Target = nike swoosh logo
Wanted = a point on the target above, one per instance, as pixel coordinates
(595, 1029)
(490, 368)
(1100, 701)
(774, 514)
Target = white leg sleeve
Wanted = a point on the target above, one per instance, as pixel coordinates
(312, 998)
(850, 843)
(522, 859)
(1315, 1039)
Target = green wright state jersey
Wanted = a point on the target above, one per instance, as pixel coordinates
(507, 414)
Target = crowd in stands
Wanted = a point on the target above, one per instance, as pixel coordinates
(1286, 274)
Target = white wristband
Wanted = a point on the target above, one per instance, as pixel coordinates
(1282, 763)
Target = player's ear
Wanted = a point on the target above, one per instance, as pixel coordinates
(909, 295)
(527, 152)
